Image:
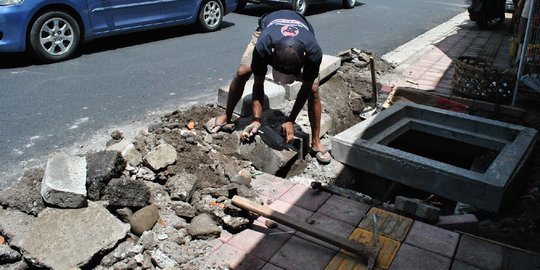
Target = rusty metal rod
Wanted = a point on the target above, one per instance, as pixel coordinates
(373, 82)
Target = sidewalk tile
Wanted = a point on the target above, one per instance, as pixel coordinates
(305, 197)
(270, 186)
(235, 258)
(259, 241)
(433, 239)
(409, 257)
(479, 253)
(457, 265)
(288, 209)
(515, 259)
(390, 224)
(331, 225)
(270, 266)
(344, 209)
(298, 254)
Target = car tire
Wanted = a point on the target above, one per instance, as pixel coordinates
(349, 3)
(211, 15)
(300, 6)
(54, 36)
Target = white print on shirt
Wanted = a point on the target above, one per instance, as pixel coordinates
(286, 22)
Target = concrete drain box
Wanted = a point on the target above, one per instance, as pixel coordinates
(457, 156)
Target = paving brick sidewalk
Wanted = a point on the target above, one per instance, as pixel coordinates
(405, 243)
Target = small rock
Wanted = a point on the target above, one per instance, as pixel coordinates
(123, 192)
(162, 260)
(208, 138)
(204, 226)
(183, 209)
(181, 187)
(117, 135)
(144, 219)
(161, 157)
(148, 240)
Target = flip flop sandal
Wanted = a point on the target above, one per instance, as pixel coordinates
(213, 124)
(319, 155)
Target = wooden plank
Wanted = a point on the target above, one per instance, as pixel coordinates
(356, 248)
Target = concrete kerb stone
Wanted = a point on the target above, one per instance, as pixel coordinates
(64, 182)
(274, 97)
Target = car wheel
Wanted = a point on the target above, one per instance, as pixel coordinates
(211, 15)
(54, 36)
(300, 6)
(349, 3)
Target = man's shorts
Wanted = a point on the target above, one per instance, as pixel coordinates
(247, 57)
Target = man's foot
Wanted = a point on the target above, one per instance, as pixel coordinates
(322, 157)
(214, 125)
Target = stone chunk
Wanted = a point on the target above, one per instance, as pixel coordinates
(458, 222)
(204, 226)
(161, 157)
(64, 182)
(14, 224)
(183, 209)
(274, 97)
(25, 196)
(266, 159)
(144, 219)
(406, 205)
(56, 238)
(427, 212)
(181, 187)
(123, 192)
(102, 167)
(162, 260)
(8, 255)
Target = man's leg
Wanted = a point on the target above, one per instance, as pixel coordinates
(236, 88)
(314, 114)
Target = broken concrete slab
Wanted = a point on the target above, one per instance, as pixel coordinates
(55, 240)
(123, 192)
(378, 145)
(64, 181)
(25, 195)
(14, 224)
(182, 186)
(267, 159)
(161, 157)
(274, 97)
(102, 166)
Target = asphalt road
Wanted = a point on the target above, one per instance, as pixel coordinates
(126, 82)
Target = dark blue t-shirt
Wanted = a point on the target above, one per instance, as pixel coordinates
(276, 25)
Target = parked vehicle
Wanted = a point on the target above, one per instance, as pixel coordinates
(54, 29)
(485, 11)
(299, 6)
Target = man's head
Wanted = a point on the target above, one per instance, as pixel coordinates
(288, 59)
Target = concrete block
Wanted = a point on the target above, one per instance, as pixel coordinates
(369, 146)
(427, 212)
(274, 96)
(303, 122)
(64, 182)
(406, 205)
(457, 222)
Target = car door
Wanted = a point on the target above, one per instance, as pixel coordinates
(179, 10)
(114, 15)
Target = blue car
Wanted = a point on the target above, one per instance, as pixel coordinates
(54, 29)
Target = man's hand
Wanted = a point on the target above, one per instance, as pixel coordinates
(288, 131)
(250, 131)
